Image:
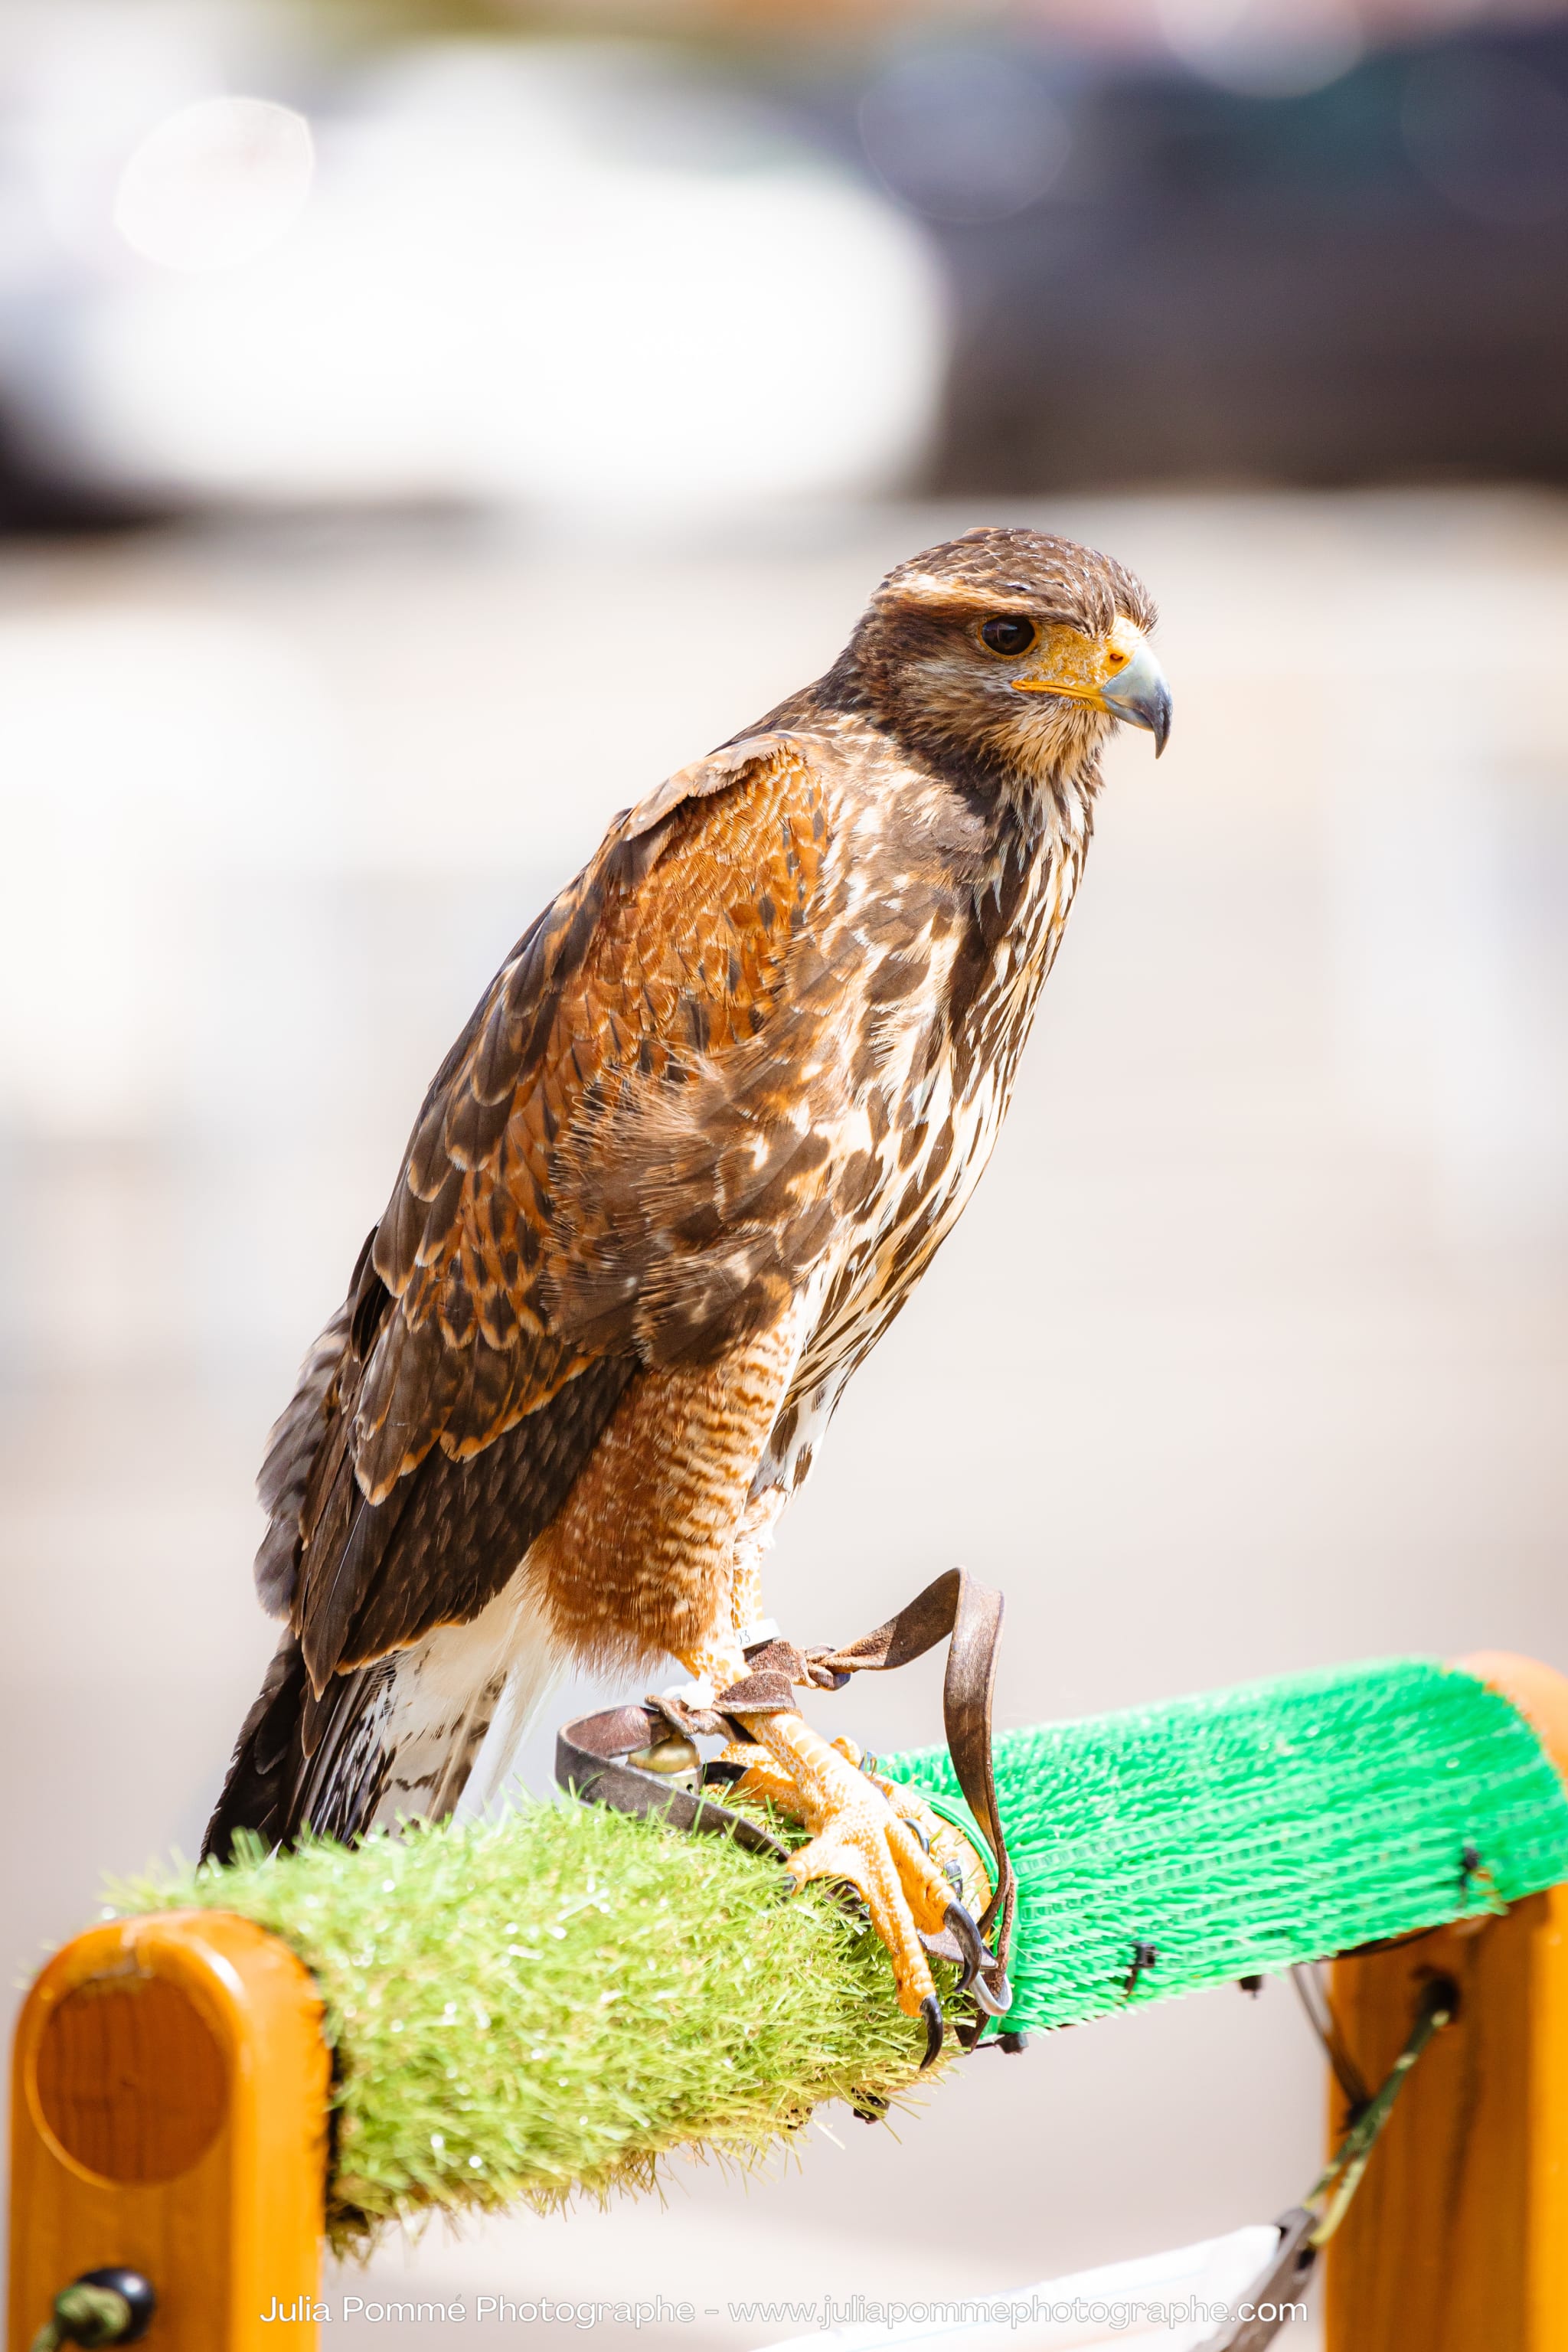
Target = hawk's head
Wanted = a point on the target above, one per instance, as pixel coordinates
(1012, 647)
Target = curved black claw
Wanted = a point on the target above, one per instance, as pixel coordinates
(930, 2009)
(961, 1926)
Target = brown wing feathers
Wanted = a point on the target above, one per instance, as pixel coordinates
(540, 1184)
(442, 1545)
(449, 1536)
(291, 1449)
(609, 1169)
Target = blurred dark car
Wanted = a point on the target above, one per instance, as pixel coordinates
(1364, 282)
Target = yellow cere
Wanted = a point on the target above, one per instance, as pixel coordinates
(1067, 662)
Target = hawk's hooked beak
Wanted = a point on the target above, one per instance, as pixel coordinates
(1118, 674)
(1138, 694)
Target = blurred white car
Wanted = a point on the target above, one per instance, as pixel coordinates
(560, 277)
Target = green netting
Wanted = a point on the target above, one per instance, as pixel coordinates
(1247, 1829)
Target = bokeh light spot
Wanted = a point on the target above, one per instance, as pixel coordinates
(215, 184)
(963, 135)
(1259, 49)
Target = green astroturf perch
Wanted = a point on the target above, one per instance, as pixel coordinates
(554, 2000)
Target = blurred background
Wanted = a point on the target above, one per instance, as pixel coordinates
(422, 427)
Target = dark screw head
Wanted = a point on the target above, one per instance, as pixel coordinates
(1143, 1956)
(136, 2293)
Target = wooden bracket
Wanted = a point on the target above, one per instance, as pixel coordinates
(169, 2113)
(1457, 2239)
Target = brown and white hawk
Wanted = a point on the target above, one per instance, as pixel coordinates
(702, 1137)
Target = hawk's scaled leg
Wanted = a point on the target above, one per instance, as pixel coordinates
(672, 1559)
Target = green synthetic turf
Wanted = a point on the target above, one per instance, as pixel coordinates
(1247, 1829)
(557, 1999)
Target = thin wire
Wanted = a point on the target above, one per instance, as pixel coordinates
(1325, 2025)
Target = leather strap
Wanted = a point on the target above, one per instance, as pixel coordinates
(589, 1763)
(956, 1604)
(590, 1752)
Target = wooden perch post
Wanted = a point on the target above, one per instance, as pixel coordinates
(169, 2113)
(1457, 2239)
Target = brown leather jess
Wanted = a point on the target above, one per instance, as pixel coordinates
(591, 1753)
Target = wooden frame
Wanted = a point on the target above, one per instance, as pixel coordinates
(1457, 2239)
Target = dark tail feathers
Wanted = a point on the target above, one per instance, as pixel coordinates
(301, 1761)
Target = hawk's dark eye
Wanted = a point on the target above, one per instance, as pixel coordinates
(1007, 633)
